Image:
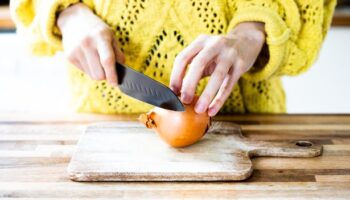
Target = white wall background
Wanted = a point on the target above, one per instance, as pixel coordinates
(30, 83)
(325, 88)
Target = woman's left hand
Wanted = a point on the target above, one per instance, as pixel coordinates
(222, 57)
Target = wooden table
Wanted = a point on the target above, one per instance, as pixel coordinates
(36, 148)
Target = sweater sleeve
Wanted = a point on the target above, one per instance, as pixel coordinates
(36, 22)
(295, 31)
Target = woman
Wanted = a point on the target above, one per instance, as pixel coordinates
(243, 46)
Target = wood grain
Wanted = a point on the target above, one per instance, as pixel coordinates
(17, 117)
(25, 177)
(333, 178)
(120, 151)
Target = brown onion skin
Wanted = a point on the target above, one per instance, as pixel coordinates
(178, 129)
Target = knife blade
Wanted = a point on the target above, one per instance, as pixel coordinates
(144, 88)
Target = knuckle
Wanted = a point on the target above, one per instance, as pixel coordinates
(228, 57)
(180, 58)
(218, 103)
(233, 52)
(111, 79)
(220, 74)
(87, 41)
(240, 61)
(241, 69)
(188, 87)
(219, 40)
(71, 54)
(108, 62)
(200, 62)
(104, 32)
(76, 64)
(202, 37)
(205, 97)
(228, 60)
(71, 57)
(99, 77)
(111, 76)
(225, 88)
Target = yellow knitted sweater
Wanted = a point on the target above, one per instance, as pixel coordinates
(152, 32)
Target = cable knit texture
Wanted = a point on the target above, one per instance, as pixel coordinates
(152, 32)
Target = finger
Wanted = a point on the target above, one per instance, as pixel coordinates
(75, 61)
(74, 58)
(83, 63)
(214, 84)
(181, 62)
(223, 93)
(195, 73)
(93, 61)
(108, 60)
(119, 55)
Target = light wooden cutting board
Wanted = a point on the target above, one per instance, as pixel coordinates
(127, 151)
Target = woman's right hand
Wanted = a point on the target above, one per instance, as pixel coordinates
(89, 43)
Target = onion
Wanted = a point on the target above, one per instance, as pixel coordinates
(178, 129)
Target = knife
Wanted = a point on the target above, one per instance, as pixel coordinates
(144, 88)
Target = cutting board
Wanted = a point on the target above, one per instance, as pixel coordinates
(127, 151)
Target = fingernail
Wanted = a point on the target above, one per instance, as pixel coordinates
(212, 112)
(200, 108)
(186, 98)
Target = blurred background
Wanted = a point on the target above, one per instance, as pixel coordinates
(40, 83)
